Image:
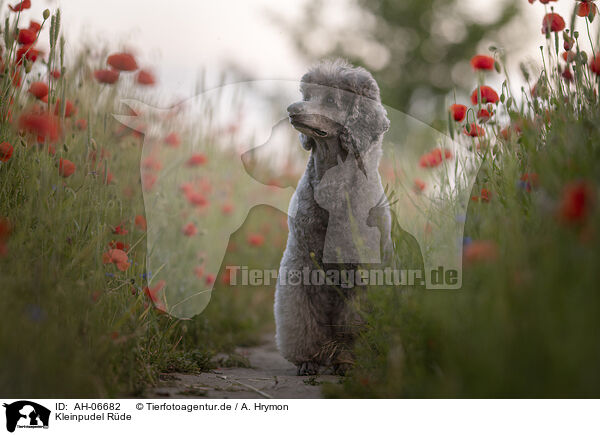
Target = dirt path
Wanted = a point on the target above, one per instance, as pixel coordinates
(269, 376)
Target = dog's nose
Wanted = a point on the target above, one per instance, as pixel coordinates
(295, 109)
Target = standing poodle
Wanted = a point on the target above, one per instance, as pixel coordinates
(341, 215)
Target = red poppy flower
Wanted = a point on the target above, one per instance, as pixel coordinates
(40, 124)
(227, 208)
(553, 22)
(484, 115)
(120, 230)
(474, 131)
(6, 151)
(107, 76)
(122, 62)
(226, 278)
(186, 187)
(585, 7)
(118, 245)
(419, 185)
(27, 36)
(190, 230)
(210, 278)
(196, 159)
(488, 95)
(567, 75)
(173, 140)
(256, 239)
(25, 4)
(196, 199)
(576, 203)
(145, 77)
(479, 251)
(482, 62)
(35, 26)
(69, 108)
(66, 168)
(155, 294)
(458, 112)
(434, 158)
(152, 164)
(485, 195)
(27, 52)
(55, 73)
(140, 222)
(595, 64)
(38, 89)
(81, 124)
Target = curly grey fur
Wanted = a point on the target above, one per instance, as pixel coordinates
(340, 116)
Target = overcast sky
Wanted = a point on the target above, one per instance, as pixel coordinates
(179, 38)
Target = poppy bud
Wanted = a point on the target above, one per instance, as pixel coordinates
(46, 14)
(497, 66)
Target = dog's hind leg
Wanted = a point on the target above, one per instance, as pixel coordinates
(347, 322)
(300, 334)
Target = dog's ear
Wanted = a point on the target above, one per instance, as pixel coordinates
(364, 126)
(307, 142)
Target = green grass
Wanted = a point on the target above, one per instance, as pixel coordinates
(73, 326)
(525, 322)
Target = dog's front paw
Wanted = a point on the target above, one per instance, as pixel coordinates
(342, 368)
(343, 362)
(308, 368)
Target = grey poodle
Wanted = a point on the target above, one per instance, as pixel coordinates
(341, 215)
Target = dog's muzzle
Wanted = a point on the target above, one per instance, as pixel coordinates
(314, 124)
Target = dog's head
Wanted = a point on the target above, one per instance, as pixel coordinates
(340, 105)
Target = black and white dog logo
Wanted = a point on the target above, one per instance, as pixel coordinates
(26, 414)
